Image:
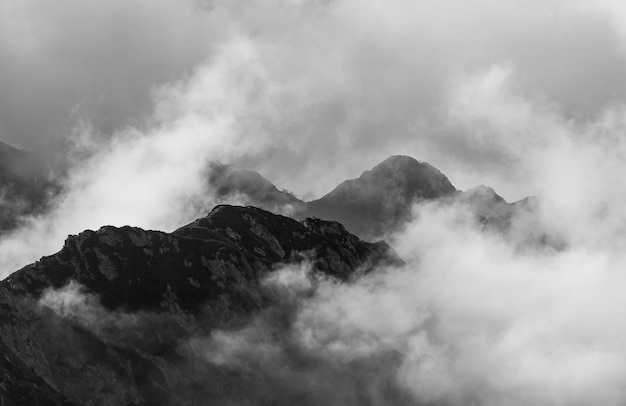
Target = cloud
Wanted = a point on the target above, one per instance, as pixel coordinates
(98, 61)
(281, 367)
(154, 178)
(74, 303)
(353, 82)
(476, 316)
(470, 319)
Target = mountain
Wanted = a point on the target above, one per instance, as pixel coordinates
(376, 203)
(381, 198)
(239, 186)
(25, 187)
(116, 316)
(132, 316)
(490, 209)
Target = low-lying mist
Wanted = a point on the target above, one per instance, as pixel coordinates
(472, 318)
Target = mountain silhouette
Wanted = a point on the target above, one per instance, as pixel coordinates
(109, 318)
(381, 198)
(373, 205)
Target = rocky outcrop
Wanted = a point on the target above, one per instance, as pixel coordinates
(223, 253)
(106, 320)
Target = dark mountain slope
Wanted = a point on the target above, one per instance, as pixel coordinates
(109, 316)
(25, 376)
(381, 199)
(133, 268)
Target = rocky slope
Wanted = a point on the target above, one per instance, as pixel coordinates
(109, 319)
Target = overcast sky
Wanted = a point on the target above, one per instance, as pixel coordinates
(338, 84)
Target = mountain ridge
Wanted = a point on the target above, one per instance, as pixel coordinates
(381, 199)
(128, 301)
(116, 315)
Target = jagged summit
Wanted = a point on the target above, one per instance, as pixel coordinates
(382, 197)
(396, 177)
(377, 201)
(129, 299)
(134, 268)
(370, 206)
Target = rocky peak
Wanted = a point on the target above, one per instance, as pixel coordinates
(396, 178)
(110, 315)
(381, 198)
(221, 254)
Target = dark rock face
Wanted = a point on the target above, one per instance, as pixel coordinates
(225, 252)
(24, 186)
(381, 199)
(25, 376)
(118, 336)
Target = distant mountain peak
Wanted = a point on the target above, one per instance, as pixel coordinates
(382, 197)
(484, 193)
(412, 177)
(398, 161)
(240, 186)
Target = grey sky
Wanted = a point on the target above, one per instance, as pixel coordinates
(358, 81)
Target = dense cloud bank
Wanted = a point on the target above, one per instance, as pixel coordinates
(473, 317)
